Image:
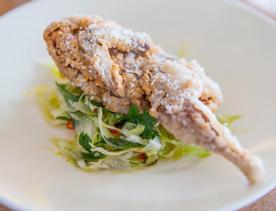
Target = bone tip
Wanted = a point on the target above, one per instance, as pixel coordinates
(257, 172)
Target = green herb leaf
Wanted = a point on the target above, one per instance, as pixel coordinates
(84, 141)
(134, 115)
(121, 143)
(65, 118)
(93, 156)
(145, 119)
(111, 118)
(228, 120)
(66, 94)
(107, 146)
(95, 103)
(149, 123)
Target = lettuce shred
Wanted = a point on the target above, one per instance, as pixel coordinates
(228, 120)
(106, 140)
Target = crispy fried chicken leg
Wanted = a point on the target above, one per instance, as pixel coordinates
(120, 67)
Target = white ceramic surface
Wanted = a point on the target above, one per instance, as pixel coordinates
(237, 48)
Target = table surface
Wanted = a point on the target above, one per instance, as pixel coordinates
(266, 203)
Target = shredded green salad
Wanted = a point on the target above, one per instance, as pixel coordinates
(103, 139)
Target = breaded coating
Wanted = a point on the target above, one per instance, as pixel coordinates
(120, 67)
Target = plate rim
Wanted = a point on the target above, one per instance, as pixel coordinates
(4, 199)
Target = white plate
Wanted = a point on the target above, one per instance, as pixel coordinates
(236, 47)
